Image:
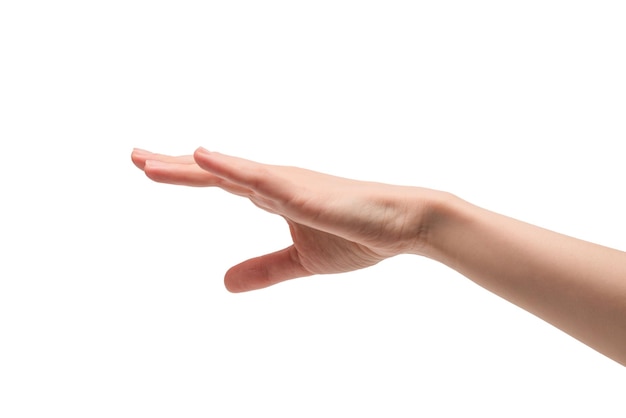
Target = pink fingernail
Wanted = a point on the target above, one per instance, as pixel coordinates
(202, 150)
(155, 163)
(141, 151)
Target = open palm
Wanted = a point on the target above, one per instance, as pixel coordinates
(336, 224)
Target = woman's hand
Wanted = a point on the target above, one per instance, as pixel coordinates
(337, 225)
(340, 225)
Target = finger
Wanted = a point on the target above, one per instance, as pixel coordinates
(249, 174)
(140, 156)
(283, 190)
(265, 271)
(188, 175)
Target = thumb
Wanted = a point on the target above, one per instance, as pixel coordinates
(265, 271)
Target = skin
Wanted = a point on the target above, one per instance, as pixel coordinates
(340, 225)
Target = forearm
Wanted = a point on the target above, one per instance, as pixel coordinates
(575, 285)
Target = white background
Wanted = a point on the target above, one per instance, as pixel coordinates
(111, 293)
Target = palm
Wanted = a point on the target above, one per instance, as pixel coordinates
(323, 253)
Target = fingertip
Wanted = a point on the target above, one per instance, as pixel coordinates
(264, 271)
(201, 152)
(138, 157)
(228, 282)
(235, 282)
(141, 151)
(201, 156)
(232, 289)
(151, 169)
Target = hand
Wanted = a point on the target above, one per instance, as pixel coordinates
(336, 224)
(339, 225)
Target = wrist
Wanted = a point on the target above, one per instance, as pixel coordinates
(439, 211)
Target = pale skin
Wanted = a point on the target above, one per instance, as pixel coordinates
(338, 225)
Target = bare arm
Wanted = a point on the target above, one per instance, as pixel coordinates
(575, 285)
(339, 225)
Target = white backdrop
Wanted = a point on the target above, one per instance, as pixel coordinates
(111, 293)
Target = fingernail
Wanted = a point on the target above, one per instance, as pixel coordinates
(141, 151)
(202, 150)
(155, 163)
